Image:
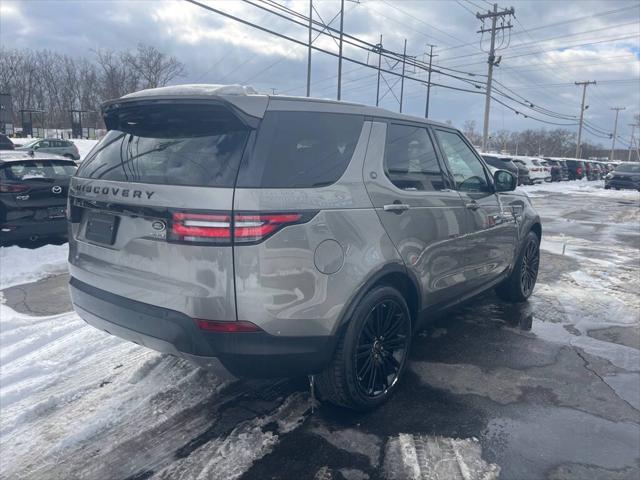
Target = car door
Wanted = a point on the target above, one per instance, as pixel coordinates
(43, 146)
(490, 246)
(422, 215)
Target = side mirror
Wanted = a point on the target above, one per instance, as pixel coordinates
(504, 181)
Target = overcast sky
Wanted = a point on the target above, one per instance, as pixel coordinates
(551, 46)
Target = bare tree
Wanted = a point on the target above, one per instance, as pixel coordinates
(154, 68)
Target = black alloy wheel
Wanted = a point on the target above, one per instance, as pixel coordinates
(381, 350)
(530, 265)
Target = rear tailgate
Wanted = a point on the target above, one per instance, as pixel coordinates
(150, 205)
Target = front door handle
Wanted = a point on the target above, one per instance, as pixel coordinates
(472, 205)
(396, 207)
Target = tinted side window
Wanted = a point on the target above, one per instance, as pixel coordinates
(300, 150)
(410, 160)
(467, 170)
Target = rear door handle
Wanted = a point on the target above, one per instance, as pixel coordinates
(472, 205)
(396, 207)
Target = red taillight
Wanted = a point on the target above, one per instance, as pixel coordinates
(218, 228)
(201, 226)
(240, 326)
(255, 227)
(579, 170)
(7, 188)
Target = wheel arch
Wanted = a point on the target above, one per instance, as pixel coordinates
(395, 275)
(537, 229)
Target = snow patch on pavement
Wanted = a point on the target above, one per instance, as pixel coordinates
(23, 265)
(417, 457)
(75, 402)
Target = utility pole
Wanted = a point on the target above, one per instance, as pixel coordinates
(494, 16)
(615, 130)
(404, 61)
(340, 49)
(431, 55)
(582, 109)
(632, 140)
(379, 65)
(309, 51)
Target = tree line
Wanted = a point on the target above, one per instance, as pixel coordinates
(558, 142)
(57, 83)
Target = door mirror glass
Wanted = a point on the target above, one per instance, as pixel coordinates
(504, 181)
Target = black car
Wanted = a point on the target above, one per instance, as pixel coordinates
(576, 168)
(6, 143)
(559, 170)
(501, 162)
(33, 195)
(523, 172)
(627, 175)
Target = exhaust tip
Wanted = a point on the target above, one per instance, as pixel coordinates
(34, 238)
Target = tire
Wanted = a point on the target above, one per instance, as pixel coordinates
(520, 284)
(355, 376)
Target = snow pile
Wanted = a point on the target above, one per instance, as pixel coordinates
(23, 265)
(84, 146)
(579, 187)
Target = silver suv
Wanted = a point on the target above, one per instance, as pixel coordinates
(288, 236)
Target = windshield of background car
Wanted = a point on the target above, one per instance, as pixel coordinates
(629, 168)
(176, 144)
(35, 169)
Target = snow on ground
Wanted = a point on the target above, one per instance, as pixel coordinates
(84, 146)
(22, 265)
(578, 187)
(66, 387)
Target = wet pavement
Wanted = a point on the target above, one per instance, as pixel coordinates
(546, 389)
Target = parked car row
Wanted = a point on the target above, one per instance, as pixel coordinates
(532, 170)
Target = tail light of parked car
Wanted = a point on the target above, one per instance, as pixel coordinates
(13, 188)
(579, 170)
(223, 227)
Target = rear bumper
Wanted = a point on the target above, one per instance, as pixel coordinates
(255, 354)
(25, 229)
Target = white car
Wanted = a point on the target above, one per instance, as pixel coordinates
(539, 171)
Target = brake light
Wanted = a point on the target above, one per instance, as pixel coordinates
(239, 326)
(220, 228)
(579, 170)
(201, 226)
(15, 188)
(250, 228)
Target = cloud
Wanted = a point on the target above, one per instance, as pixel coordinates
(218, 49)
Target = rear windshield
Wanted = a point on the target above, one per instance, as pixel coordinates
(36, 169)
(301, 150)
(189, 144)
(629, 168)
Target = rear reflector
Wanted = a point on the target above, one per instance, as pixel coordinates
(220, 228)
(8, 188)
(240, 326)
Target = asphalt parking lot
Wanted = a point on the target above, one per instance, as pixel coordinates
(546, 389)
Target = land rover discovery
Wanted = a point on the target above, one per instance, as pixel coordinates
(288, 236)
